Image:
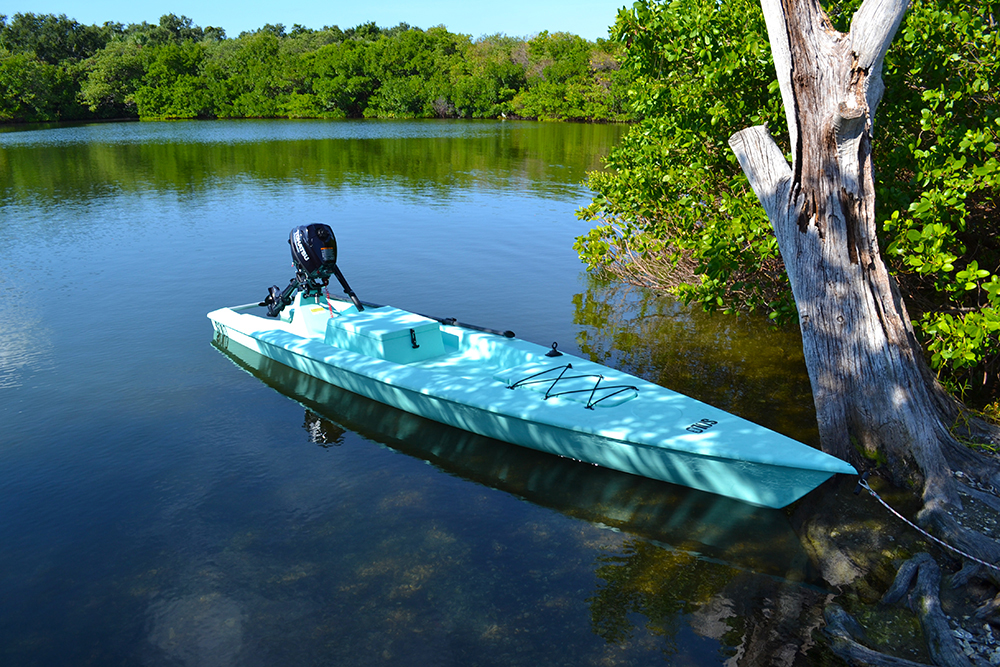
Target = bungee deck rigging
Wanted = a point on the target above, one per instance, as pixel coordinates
(615, 390)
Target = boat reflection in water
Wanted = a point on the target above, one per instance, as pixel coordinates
(710, 526)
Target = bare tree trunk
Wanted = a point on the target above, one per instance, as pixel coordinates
(872, 388)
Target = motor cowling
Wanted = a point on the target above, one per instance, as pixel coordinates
(314, 252)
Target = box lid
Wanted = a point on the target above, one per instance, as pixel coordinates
(382, 323)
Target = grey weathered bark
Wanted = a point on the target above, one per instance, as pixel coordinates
(872, 388)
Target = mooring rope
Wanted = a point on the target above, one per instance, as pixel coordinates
(863, 483)
(329, 301)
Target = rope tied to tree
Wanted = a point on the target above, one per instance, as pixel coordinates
(863, 484)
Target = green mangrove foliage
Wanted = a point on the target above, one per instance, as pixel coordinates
(53, 68)
(940, 179)
(40, 59)
(674, 210)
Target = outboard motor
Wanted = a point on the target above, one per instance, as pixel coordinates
(314, 252)
(314, 256)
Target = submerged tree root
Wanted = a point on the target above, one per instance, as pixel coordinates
(968, 530)
(918, 582)
(841, 628)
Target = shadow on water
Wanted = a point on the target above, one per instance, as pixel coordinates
(700, 524)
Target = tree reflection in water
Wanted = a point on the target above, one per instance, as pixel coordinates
(738, 364)
(757, 619)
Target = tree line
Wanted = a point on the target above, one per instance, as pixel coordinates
(53, 68)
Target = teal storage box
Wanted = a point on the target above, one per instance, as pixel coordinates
(386, 333)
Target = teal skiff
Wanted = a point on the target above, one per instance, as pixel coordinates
(498, 386)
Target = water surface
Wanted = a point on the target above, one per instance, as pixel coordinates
(167, 501)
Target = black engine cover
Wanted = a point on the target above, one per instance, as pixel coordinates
(314, 251)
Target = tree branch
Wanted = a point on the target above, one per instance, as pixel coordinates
(777, 32)
(872, 29)
(767, 170)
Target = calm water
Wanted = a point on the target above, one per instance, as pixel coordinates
(165, 500)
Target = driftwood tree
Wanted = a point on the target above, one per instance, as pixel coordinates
(872, 389)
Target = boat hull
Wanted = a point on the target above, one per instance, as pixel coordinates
(704, 525)
(655, 433)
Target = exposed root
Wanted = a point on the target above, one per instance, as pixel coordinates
(990, 611)
(988, 499)
(919, 582)
(661, 270)
(970, 570)
(943, 524)
(971, 447)
(667, 268)
(841, 629)
(979, 470)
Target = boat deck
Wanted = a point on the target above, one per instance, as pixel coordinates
(511, 390)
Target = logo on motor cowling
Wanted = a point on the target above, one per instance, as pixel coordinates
(299, 245)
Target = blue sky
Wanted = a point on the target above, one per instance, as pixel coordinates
(518, 18)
